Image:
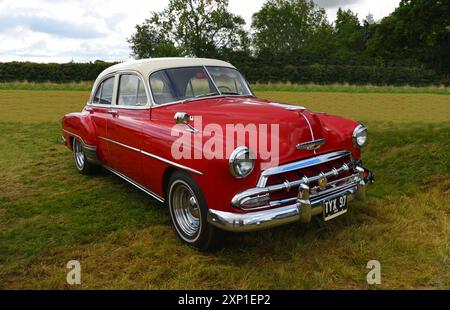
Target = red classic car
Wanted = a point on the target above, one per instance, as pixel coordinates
(190, 133)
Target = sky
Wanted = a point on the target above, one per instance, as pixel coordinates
(87, 30)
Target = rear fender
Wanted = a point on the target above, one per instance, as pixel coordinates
(81, 127)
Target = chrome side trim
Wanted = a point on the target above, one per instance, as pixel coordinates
(139, 186)
(120, 144)
(171, 163)
(153, 156)
(299, 165)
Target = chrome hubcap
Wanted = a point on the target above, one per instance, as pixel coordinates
(186, 211)
(78, 154)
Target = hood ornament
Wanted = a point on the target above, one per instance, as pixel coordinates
(311, 145)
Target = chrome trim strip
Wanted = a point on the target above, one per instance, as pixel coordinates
(120, 144)
(299, 165)
(139, 186)
(171, 163)
(310, 129)
(153, 156)
(122, 107)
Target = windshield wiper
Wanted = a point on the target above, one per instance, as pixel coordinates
(207, 95)
(201, 96)
(230, 93)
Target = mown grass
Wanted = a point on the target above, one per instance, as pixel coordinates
(49, 214)
(258, 87)
(348, 88)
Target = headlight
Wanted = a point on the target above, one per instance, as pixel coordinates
(360, 136)
(242, 162)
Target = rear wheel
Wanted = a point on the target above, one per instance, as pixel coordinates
(189, 211)
(83, 166)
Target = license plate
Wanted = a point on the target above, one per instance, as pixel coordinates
(334, 207)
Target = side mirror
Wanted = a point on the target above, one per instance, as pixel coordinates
(182, 118)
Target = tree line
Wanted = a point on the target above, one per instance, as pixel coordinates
(287, 41)
(292, 40)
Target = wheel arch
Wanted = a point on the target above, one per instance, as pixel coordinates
(165, 179)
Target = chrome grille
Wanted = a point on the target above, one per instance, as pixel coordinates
(278, 186)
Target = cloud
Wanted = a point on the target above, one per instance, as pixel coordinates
(51, 25)
(328, 4)
(83, 30)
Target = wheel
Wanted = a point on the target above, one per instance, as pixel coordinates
(83, 166)
(188, 210)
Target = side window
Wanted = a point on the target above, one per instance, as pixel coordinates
(104, 92)
(131, 91)
(97, 95)
(161, 88)
(107, 91)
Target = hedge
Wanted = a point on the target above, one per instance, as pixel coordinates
(52, 72)
(254, 69)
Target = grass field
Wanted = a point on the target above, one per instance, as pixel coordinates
(49, 214)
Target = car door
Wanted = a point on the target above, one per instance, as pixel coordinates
(124, 127)
(99, 110)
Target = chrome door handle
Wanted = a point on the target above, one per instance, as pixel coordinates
(113, 112)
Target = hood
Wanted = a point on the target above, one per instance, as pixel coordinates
(296, 124)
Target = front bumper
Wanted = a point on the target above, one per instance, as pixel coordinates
(302, 210)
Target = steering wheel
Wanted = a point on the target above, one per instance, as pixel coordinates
(226, 88)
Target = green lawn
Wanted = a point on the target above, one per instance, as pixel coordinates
(49, 214)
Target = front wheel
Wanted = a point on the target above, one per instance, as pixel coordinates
(189, 211)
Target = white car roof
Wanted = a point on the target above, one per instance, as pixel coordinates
(147, 66)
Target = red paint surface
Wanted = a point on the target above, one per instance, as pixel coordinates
(150, 130)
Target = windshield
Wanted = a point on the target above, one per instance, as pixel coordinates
(229, 81)
(179, 84)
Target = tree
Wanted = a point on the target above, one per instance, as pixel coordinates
(148, 42)
(202, 28)
(285, 27)
(416, 30)
(349, 35)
